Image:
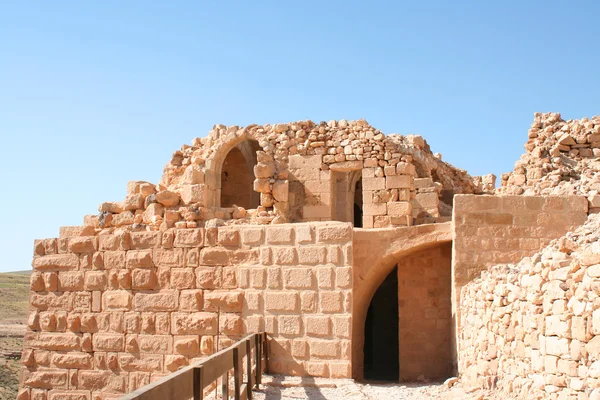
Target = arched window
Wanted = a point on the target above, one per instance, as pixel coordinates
(237, 176)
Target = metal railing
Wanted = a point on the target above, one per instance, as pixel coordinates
(190, 382)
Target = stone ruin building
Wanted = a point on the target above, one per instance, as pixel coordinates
(361, 255)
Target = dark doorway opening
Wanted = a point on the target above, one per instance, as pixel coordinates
(381, 333)
(358, 204)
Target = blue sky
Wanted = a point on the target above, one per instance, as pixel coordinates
(94, 94)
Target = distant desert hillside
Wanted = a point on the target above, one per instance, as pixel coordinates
(14, 303)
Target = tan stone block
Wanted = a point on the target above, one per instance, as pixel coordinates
(114, 259)
(155, 344)
(498, 218)
(47, 379)
(252, 236)
(182, 278)
(187, 345)
(139, 259)
(331, 302)
(102, 381)
(324, 348)
(36, 282)
(72, 360)
(281, 301)
(231, 324)
(298, 278)
(311, 255)
(116, 300)
(214, 256)
(334, 233)
(289, 325)
(299, 349)
(208, 277)
(373, 183)
(284, 255)
(297, 161)
(325, 277)
(56, 262)
(189, 237)
(95, 280)
(108, 342)
(174, 362)
(375, 209)
(145, 240)
(280, 235)
(143, 279)
(166, 300)
(83, 244)
(308, 302)
(274, 278)
(398, 182)
(230, 301)
(145, 362)
(228, 237)
(343, 277)
(340, 370)
(199, 323)
(68, 395)
(70, 281)
(399, 208)
(304, 234)
(191, 300)
(258, 277)
(319, 326)
(316, 212)
(191, 194)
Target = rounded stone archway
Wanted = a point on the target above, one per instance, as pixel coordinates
(376, 254)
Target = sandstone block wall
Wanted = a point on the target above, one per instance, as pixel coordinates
(112, 312)
(490, 230)
(424, 308)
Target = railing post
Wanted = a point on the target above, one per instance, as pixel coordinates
(258, 356)
(266, 342)
(198, 386)
(225, 386)
(249, 368)
(237, 379)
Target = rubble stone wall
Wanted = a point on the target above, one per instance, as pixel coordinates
(533, 329)
(115, 311)
(490, 230)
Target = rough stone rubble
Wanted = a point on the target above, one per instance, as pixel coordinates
(562, 158)
(188, 190)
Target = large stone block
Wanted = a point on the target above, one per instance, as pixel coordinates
(116, 300)
(108, 342)
(56, 262)
(199, 323)
(281, 301)
(167, 300)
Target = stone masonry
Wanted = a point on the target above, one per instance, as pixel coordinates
(292, 228)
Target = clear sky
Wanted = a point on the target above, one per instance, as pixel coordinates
(94, 94)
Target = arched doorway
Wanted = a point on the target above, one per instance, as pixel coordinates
(381, 332)
(237, 176)
(347, 202)
(422, 256)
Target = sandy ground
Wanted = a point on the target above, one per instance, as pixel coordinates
(288, 388)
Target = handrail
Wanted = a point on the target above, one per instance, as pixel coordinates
(190, 382)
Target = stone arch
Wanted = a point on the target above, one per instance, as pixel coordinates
(246, 145)
(237, 176)
(376, 253)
